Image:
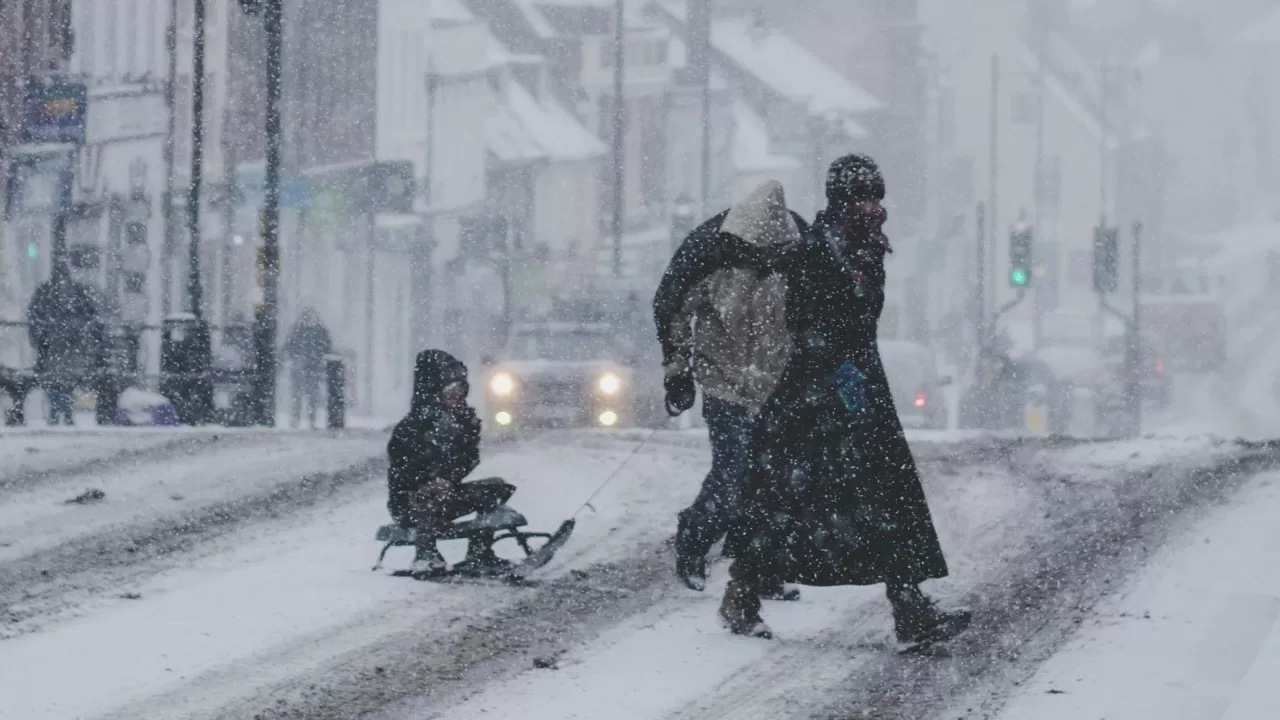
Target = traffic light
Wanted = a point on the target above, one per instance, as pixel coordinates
(1106, 259)
(1020, 241)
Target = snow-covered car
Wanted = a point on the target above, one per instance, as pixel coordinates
(916, 386)
(560, 374)
(143, 407)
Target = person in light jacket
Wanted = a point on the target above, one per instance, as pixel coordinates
(724, 329)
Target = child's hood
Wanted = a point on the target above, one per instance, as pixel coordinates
(433, 371)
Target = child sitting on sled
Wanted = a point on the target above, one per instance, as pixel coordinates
(431, 450)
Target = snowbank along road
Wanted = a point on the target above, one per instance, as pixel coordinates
(227, 576)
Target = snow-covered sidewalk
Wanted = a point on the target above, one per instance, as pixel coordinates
(1194, 637)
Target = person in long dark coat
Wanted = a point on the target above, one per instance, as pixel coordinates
(833, 496)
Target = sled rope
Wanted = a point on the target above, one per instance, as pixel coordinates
(614, 474)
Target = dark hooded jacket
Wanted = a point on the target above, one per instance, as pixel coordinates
(833, 496)
(434, 441)
(308, 344)
(65, 329)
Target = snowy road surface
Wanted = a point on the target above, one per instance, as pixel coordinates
(228, 577)
(225, 575)
(1196, 635)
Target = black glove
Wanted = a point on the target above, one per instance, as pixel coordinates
(681, 392)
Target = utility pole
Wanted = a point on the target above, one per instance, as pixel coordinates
(1136, 370)
(700, 64)
(618, 154)
(1037, 298)
(980, 223)
(195, 289)
(170, 160)
(273, 21)
(1104, 118)
(994, 180)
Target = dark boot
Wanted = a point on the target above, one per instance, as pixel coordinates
(740, 610)
(917, 619)
(779, 592)
(427, 560)
(481, 559)
(691, 560)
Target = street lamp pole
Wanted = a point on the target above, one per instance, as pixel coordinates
(195, 290)
(618, 147)
(273, 20)
(700, 63)
(170, 157)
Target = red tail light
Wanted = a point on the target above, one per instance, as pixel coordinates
(921, 400)
(1160, 365)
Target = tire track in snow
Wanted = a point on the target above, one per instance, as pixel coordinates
(39, 587)
(114, 460)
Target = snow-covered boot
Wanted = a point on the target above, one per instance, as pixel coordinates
(740, 610)
(916, 619)
(691, 562)
(427, 561)
(481, 559)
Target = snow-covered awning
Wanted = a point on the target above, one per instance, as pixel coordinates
(526, 129)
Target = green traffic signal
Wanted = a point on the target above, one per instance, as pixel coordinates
(33, 251)
(1020, 252)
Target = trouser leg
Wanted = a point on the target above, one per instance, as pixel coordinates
(740, 608)
(705, 521)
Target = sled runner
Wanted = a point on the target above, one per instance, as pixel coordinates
(491, 527)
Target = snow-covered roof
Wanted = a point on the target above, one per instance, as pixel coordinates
(556, 130)
(450, 10)
(751, 150)
(678, 58)
(1265, 31)
(537, 22)
(525, 129)
(507, 139)
(783, 64)
(1056, 88)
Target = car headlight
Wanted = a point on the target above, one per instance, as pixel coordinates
(609, 384)
(502, 384)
